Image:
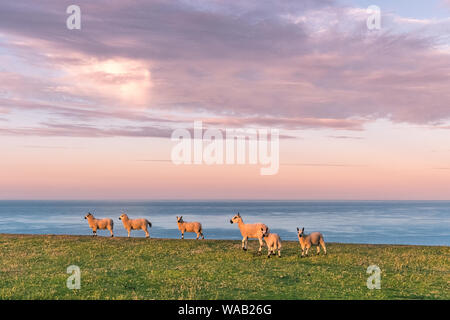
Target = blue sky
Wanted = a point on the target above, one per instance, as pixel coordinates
(420, 9)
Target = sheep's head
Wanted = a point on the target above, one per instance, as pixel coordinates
(236, 219)
(265, 231)
(88, 215)
(123, 216)
(179, 219)
(301, 233)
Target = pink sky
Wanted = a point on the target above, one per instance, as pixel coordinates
(366, 113)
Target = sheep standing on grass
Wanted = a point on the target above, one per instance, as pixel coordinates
(135, 224)
(273, 242)
(189, 227)
(100, 224)
(249, 231)
(306, 241)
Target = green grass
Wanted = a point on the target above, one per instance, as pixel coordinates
(34, 267)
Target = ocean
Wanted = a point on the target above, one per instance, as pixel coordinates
(375, 222)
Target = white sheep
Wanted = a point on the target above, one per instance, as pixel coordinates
(135, 224)
(308, 240)
(184, 226)
(100, 224)
(273, 242)
(252, 231)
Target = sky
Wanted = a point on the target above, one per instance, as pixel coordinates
(88, 114)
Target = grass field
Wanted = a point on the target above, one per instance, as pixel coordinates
(34, 267)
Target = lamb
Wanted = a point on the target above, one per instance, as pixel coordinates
(135, 224)
(273, 242)
(100, 224)
(306, 241)
(189, 227)
(249, 231)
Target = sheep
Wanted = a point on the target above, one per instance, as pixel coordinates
(100, 224)
(249, 231)
(306, 241)
(273, 242)
(190, 227)
(135, 224)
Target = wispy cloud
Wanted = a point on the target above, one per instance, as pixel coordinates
(346, 137)
(71, 130)
(323, 164)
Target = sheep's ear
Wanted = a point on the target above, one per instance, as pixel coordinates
(239, 214)
(303, 229)
(298, 229)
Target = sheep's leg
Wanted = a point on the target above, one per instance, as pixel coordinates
(323, 246)
(269, 251)
(94, 231)
(147, 235)
(129, 232)
(182, 235)
(203, 237)
(303, 251)
(112, 233)
(261, 244)
(198, 236)
(318, 249)
(244, 243)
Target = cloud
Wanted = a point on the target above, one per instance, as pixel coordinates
(72, 130)
(289, 123)
(346, 137)
(286, 64)
(345, 165)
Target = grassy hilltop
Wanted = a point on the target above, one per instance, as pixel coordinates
(34, 267)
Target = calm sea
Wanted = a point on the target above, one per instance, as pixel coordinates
(391, 222)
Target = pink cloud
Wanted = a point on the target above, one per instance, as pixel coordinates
(237, 64)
